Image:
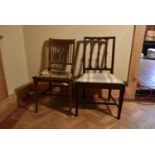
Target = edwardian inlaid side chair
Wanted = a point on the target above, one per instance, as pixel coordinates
(60, 68)
(98, 69)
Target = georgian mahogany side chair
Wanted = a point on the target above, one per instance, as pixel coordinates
(98, 72)
(60, 68)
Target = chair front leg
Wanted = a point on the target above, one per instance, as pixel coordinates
(70, 97)
(50, 88)
(36, 95)
(84, 93)
(109, 94)
(76, 100)
(121, 98)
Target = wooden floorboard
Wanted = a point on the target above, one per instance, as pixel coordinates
(53, 114)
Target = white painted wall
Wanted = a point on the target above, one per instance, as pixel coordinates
(22, 48)
(35, 36)
(14, 58)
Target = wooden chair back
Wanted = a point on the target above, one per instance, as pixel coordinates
(61, 52)
(99, 53)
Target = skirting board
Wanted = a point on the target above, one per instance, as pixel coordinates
(7, 106)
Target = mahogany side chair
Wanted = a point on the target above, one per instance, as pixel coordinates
(60, 68)
(98, 71)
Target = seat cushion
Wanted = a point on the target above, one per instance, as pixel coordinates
(54, 74)
(98, 78)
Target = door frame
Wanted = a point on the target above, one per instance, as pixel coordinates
(137, 45)
(3, 86)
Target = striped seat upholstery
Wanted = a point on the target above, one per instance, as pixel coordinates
(104, 77)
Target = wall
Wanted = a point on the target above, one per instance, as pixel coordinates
(13, 55)
(21, 61)
(35, 41)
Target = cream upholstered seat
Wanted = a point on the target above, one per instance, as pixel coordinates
(99, 78)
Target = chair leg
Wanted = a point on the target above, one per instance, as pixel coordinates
(76, 100)
(36, 104)
(121, 98)
(84, 94)
(70, 98)
(50, 88)
(109, 95)
(36, 95)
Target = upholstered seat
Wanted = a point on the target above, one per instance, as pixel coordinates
(99, 78)
(54, 73)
